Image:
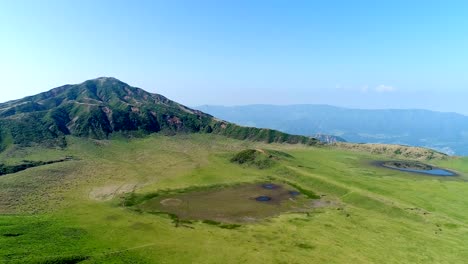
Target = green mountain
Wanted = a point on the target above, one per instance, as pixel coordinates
(100, 107)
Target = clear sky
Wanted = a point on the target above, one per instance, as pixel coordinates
(366, 54)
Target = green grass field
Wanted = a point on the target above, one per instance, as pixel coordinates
(74, 211)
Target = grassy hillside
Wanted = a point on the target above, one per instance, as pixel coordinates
(397, 151)
(74, 210)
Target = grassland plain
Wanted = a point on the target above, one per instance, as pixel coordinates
(73, 211)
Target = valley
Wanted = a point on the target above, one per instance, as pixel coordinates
(361, 213)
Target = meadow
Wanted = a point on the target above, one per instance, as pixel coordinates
(77, 211)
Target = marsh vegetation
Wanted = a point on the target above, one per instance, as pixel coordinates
(241, 203)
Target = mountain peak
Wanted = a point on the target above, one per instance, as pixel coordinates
(104, 80)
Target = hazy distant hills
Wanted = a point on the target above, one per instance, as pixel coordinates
(100, 107)
(447, 132)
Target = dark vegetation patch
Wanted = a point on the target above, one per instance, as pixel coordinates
(304, 246)
(178, 222)
(63, 260)
(414, 165)
(259, 158)
(254, 158)
(8, 169)
(260, 134)
(132, 199)
(221, 225)
(29, 130)
(12, 234)
(279, 154)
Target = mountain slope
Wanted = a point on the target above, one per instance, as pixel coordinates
(447, 132)
(99, 107)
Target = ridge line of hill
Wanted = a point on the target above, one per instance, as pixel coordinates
(99, 107)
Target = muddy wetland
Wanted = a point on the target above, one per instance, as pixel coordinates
(237, 204)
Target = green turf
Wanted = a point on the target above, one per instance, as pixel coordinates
(74, 211)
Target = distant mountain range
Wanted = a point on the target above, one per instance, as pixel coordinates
(101, 107)
(446, 132)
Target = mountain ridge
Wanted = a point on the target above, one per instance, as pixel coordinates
(99, 107)
(330, 106)
(442, 131)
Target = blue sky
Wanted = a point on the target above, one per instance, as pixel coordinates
(366, 54)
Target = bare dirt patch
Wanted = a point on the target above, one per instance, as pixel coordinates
(323, 203)
(106, 193)
(171, 202)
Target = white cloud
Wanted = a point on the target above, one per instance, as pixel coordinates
(364, 89)
(385, 88)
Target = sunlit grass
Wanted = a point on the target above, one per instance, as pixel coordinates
(371, 214)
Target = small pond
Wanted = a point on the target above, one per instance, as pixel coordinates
(416, 167)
